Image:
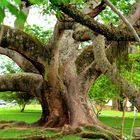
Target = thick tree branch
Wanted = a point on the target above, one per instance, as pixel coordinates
(97, 10)
(82, 34)
(88, 10)
(85, 61)
(66, 25)
(124, 19)
(88, 71)
(111, 33)
(111, 72)
(22, 62)
(24, 44)
(25, 82)
(113, 51)
(134, 16)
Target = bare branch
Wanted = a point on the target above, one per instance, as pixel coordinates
(124, 19)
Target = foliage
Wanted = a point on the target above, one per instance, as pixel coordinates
(14, 8)
(49, 8)
(8, 66)
(103, 90)
(131, 73)
(38, 32)
(21, 98)
(31, 113)
(123, 5)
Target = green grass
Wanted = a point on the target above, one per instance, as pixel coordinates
(32, 113)
(70, 137)
(14, 133)
(114, 119)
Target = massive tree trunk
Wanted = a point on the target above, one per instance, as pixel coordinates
(61, 74)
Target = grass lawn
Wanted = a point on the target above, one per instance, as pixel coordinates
(114, 119)
(32, 113)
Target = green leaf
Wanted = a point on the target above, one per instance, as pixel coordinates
(13, 10)
(36, 1)
(59, 15)
(66, 1)
(20, 20)
(3, 3)
(2, 15)
(58, 2)
(18, 2)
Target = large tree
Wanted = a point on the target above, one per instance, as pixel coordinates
(60, 74)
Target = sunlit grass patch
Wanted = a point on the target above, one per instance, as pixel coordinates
(31, 114)
(114, 119)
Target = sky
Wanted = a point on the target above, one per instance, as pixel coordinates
(34, 17)
(37, 18)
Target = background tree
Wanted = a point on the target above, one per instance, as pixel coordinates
(21, 98)
(101, 92)
(38, 32)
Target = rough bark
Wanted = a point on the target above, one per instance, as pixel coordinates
(111, 54)
(25, 82)
(31, 48)
(22, 107)
(111, 33)
(115, 104)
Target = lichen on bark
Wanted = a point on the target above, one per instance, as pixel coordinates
(84, 59)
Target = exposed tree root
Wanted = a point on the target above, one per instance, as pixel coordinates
(83, 132)
(95, 135)
(96, 131)
(15, 123)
